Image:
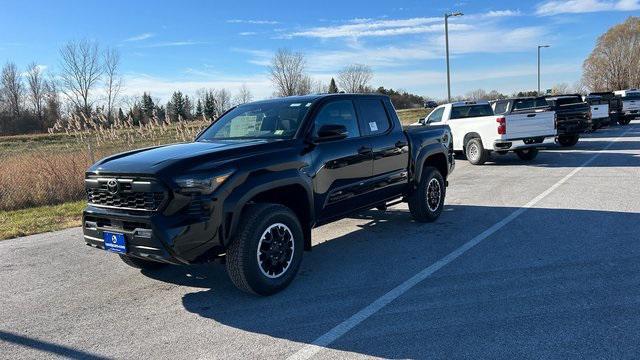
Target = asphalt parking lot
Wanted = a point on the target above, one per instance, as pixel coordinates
(529, 260)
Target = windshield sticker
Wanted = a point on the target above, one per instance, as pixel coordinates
(278, 132)
(373, 126)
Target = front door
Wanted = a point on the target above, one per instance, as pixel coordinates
(341, 167)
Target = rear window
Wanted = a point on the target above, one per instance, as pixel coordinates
(373, 115)
(501, 107)
(632, 96)
(568, 100)
(462, 112)
(529, 104)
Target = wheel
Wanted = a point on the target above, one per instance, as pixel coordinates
(475, 152)
(427, 200)
(568, 140)
(527, 154)
(266, 253)
(624, 120)
(141, 263)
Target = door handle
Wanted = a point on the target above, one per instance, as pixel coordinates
(595, 108)
(531, 115)
(365, 150)
(400, 144)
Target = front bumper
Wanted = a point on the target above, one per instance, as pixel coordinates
(175, 239)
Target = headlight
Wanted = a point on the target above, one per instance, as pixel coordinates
(201, 184)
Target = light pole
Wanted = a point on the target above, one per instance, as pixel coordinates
(446, 41)
(540, 47)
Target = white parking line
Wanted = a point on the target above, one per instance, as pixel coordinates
(334, 334)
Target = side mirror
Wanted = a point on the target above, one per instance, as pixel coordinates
(331, 132)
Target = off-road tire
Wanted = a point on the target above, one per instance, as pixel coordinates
(419, 201)
(242, 259)
(568, 140)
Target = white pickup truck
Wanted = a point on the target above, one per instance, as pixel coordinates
(599, 111)
(477, 131)
(630, 104)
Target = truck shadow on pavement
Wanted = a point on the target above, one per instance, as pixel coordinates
(483, 303)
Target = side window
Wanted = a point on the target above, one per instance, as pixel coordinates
(436, 115)
(338, 113)
(373, 116)
(501, 107)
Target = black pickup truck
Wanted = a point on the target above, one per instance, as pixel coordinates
(252, 185)
(573, 117)
(615, 106)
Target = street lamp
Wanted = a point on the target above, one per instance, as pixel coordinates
(446, 41)
(540, 47)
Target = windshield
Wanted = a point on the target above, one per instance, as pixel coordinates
(265, 120)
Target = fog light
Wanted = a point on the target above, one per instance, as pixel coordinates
(145, 233)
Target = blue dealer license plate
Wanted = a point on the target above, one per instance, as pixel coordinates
(114, 242)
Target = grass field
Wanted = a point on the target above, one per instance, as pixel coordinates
(410, 116)
(40, 219)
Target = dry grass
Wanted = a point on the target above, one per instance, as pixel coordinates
(40, 219)
(410, 116)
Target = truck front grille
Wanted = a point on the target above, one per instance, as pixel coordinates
(125, 193)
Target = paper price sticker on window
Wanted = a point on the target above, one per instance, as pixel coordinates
(373, 126)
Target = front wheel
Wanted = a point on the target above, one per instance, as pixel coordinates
(266, 253)
(527, 154)
(427, 200)
(568, 140)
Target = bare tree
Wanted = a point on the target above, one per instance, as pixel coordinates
(113, 80)
(12, 88)
(319, 87)
(477, 94)
(37, 90)
(244, 95)
(80, 73)
(613, 64)
(355, 78)
(288, 73)
(222, 101)
(559, 89)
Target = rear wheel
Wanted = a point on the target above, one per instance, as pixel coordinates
(266, 253)
(625, 120)
(427, 200)
(475, 152)
(527, 154)
(568, 140)
(141, 263)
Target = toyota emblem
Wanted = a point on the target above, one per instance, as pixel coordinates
(113, 186)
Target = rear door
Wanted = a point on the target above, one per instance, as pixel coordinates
(389, 144)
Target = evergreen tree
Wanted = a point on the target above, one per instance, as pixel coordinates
(120, 114)
(333, 88)
(147, 106)
(209, 105)
(176, 106)
(188, 108)
(199, 109)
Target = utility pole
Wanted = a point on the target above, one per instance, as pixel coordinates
(540, 47)
(446, 41)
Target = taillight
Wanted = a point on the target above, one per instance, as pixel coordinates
(502, 125)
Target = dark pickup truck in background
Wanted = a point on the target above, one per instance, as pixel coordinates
(254, 183)
(615, 106)
(573, 117)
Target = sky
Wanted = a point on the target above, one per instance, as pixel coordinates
(189, 45)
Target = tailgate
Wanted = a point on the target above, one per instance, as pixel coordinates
(631, 105)
(599, 111)
(531, 124)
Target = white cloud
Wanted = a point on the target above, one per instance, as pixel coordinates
(255, 22)
(140, 37)
(174, 43)
(369, 28)
(492, 40)
(555, 7)
(248, 33)
(502, 13)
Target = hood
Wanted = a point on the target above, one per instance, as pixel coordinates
(153, 160)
